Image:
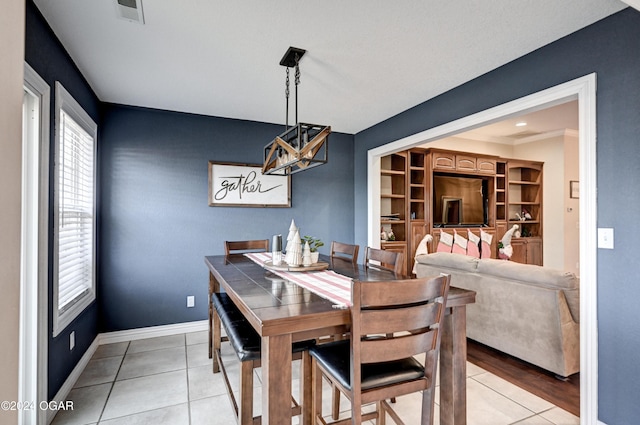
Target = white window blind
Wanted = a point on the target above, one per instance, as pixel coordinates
(74, 204)
(75, 213)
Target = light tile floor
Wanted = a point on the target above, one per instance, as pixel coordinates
(168, 380)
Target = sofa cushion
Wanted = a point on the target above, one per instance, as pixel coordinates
(528, 272)
(454, 261)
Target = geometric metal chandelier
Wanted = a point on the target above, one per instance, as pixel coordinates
(301, 146)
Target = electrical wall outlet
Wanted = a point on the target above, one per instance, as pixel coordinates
(191, 301)
(72, 340)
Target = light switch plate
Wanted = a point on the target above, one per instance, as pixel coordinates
(191, 301)
(605, 238)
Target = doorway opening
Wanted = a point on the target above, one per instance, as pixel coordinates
(34, 242)
(584, 91)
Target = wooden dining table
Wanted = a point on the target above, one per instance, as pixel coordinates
(282, 312)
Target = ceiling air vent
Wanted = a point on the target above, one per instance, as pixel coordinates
(131, 10)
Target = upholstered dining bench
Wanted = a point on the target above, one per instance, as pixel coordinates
(246, 343)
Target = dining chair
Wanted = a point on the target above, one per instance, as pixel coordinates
(345, 251)
(247, 345)
(393, 349)
(384, 259)
(379, 259)
(230, 247)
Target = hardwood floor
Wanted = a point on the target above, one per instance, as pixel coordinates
(544, 384)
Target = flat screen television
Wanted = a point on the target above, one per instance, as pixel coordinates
(460, 201)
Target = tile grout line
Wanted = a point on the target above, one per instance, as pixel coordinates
(186, 361)
(113, 382)
(152, 374)
(475, 378)
(533, 414)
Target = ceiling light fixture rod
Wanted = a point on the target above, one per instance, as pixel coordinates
(296, 81)
(291, 59)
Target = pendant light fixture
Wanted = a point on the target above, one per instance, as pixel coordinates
(301, 146)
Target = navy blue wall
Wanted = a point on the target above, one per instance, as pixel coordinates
(45, 54)
(611, 48)
(156, 225)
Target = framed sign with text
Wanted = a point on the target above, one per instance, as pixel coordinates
(244, 185)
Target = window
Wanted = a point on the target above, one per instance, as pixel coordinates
(74, 210)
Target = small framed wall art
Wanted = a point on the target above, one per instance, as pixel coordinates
(244, 185)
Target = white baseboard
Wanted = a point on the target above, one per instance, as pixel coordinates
(152, 332)
(62, 394)
(121, 336)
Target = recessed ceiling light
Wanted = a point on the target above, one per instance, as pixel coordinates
(521, 124)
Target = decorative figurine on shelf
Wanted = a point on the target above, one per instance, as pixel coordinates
(391, 236)
(383, 234)
(505, 250)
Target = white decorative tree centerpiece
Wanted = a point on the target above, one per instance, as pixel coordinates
(306, 255)
(294, 250)
(314, 244)
(292, 231)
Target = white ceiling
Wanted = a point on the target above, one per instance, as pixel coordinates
(366, 60)
(541, 122)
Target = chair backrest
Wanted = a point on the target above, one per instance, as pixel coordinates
(386, 260)
(409, 312)
(246, 246)
(345, 251)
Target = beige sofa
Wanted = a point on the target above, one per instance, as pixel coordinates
(527, 311)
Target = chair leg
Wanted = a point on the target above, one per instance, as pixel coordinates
(210, 328)
(382, 414)
(428, 406)
(217, 339)
(245, 413)
(306, 389)
(316, 382)
(335, 403)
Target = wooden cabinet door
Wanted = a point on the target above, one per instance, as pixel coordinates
(418, 231)
(443, 161)
(466, 163)
(519, 251)
(501, 229)
(486, 166)
(527, 251)
(534, 251)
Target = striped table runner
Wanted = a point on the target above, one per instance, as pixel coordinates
(326, 283)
